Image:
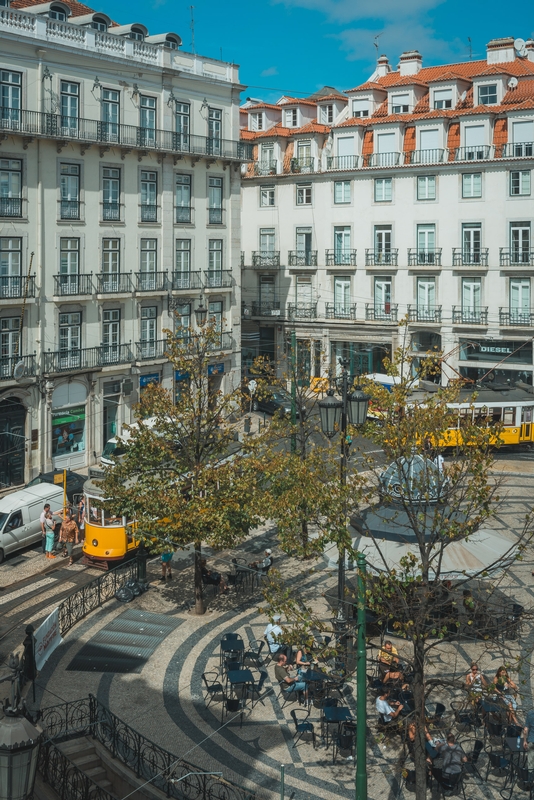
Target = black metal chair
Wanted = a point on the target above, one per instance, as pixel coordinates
(493, 730)
(525, 780)
(232, 705)
(498, 765)
(465, 717)
(253, 654)
(344, 740)
(257, 687)
(471, 766)
(513, 731)
(229, 665)
(213, 686)
(449, 784)
(287, 695)
(300, 718)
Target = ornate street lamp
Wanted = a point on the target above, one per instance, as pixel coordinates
(330, 412)
(201, 313)
(358, 406)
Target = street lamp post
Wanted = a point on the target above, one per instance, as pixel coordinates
(361, 686)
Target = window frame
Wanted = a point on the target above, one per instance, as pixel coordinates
(344, 184)
(268, 192)
(426, 178)
(485, 87)
(520, 173)
(303, 194)
(471, 175)
(384, 181)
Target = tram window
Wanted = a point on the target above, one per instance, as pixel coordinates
(526, 414)
(509, 415)
(465, 416)
(495, 415)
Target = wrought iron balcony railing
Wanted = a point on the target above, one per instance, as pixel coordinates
(432, 156)
(302, 164)
(385, 312)
(223, 341)
(302, 258)
(472, 153)
(521, 319)
(151, 281)
(183, 214)
(518, 150)
(302, 310)
(67, 285)
(182, 281)
(516, 257)
(342, 162)
(217, 278)
(152, 349)
(430, 257)
(87, 358)
(38, 123)
(266, 258)
(266, 309)
(265, 167)
(215, 216)
(8, 364)
(422, 313)
(69, 209)
(470, 316)
(10, 207)
(114, 282)
(384, 159)
(462, 257)
(380, 258)
(340, 258)
(149, 212)
(340, 311)
(111, 212)
(13, 286)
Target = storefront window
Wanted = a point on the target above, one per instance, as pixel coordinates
(494, 351)
(487, 375)
(363, 358)
(68, 431)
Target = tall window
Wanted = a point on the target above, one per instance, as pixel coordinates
(214, 131)
(256, 122)
(266, 196)
(426, 187)
(342, 252)
(520, 242)
(304, 194)
(10, 95)
(426, 244)
(70, 340)
(111, 335)
(183, 198)
(149, 194)
(327, 114)
(520, 300)
(149, 264)
(215, 260)
(215, 195)
(183, 125)
(471, 299)
(520, 182)
(70, 191)
(342, 295)
(70, 104)
(182, 318)
(148, 331)
(382, 297)
(69, 266)
(426, 298)
(110, 115)
(267, 293)
(290, 118)
(341, 191)
(487, 95)
(10, 267)
(267, 155)
(9, 343)
(304, 153)
(111, 265)
(215, 313)
(182, 278)
(472, 184)
(111, 188)
(267, 241)
(304, 246)
(10, 187)
(471, 243)
(382, 244)
(383, 190)
(147, 119)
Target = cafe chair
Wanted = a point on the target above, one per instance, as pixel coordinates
(253, 654)
(213, 686)
(450, 785)
(498, 765)
(465, 717)
(471, 766)
(232, 705)
(493, 730)
(286, 696)
(257, 687)
(230, 665)
(525, 780)
(300, 718)
(513, 731)
(344, 739)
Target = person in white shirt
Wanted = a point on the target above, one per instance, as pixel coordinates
(272, 632)
(387, 710)
(265, 563)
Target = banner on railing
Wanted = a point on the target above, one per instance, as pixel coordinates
(47, 638)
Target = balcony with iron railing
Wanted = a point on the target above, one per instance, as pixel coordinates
(340, 310)
(151, 281)
(463, 257)
(470, 316)
(10, 207)
(269, 259)
(385, 312)
(223, 340)
(149, 212)
(215, 216)
(431, 156)
(302, 310)
(381, 258)
(69, 285)
(302, 164)
(69, 209)
(424, 313)
(519, 319)
(263, 308)
(184, 281)
(516, 257)
(265, 167)
(384, 159)
(87, 358)
(111, 211)
(8, 364)
(518, 150)
(218, 279)
(340, 257)
(15, 286)
(114, 282)
(151, 349)
(302, 258)
(478, 152)
(184, 215)
(342, 162)
(430, 257)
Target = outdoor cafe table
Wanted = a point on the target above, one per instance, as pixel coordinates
(232, 646)
(515, 752)
(240, 677)
(336, 715)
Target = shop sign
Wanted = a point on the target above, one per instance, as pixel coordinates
(68, 430)
(215, 369)
(181, 375)
(144, 380)
(508, 352)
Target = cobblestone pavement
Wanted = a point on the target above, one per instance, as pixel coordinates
(165, 701)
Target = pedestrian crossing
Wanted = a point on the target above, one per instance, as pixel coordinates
(31, 587)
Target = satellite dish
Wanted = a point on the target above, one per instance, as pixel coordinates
(519, 45)
(512, 83)
(19, 370)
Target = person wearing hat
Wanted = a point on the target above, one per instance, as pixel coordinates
(265, 563)
(272, 633)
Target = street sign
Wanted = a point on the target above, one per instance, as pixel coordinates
(252, 386)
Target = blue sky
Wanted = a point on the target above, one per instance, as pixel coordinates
(297, 46)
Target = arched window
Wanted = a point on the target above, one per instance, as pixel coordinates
(137, 34)
(56, 12)
(171, 43)
(99, 24)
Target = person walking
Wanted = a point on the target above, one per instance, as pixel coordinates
(43, 519)
(166, 564)
(69, 535)
(50, 535)
(81, 520)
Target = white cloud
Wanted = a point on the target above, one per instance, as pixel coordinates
(350, 10)
(268, 72)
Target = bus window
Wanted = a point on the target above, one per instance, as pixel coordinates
(509, 415)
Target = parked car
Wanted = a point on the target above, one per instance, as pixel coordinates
(75, 481)
(20, 513)
(272, 399)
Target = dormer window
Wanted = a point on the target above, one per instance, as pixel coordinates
(400, 103)
(137, 34)
(290, 118)
(4, 3)
(57, 13)
(443, 98)
(360, 108)
(171, 43)
(98, 24)
(487, 95)
(256, 122)
(326, 114)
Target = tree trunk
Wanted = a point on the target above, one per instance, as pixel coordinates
(419, 719)
(199, 588)
(304, 534)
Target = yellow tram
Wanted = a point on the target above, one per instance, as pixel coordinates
(109, 540)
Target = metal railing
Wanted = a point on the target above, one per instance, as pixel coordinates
(433, 156)
(302, 258)
(151, 349)
(418, 257)
(87, 358)
(151, 281)
(470, 316)
(10, 207)
(422, 313)
(340, 258)
(218, 279)
(69, 209)
(66, 779)
(266, 167)
(182, 281)
(66, 285)
(342, 162)
(462, 257)
(149, 212)
(302, 310)
(8, 364)
(215, 216)
(516, 257)
(111, 212)
(384, 159)
(518, 150)
(183, 214)
(266, 258)
(302, 164)
(13, 286)
(379, 258)
(340, 311)
(223, 341)
(114, 282)
(523, 319)
(381, 313)
(39, 123)
(267, 309)
(473, 153)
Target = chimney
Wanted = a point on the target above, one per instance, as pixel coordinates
(382, 67)
(529, 47)
(499, 51)
(410, 62)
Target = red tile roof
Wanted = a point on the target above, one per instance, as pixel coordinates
(77, 9)
(524, 91)
(295, 101)
(261, 105)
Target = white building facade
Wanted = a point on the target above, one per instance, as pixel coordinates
(408, 198)
(120, 166)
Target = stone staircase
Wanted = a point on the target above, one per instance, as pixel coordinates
(83, 754)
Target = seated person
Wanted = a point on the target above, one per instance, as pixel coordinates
(506, 688)
(304, 659)
(388, 663)
(453, 756)
(387, 710)
(475, 681)
(430, 744)
(212, 578)
(264, 563)
(287, 683)
(272, 633)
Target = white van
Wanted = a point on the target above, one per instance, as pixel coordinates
(20, 513)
